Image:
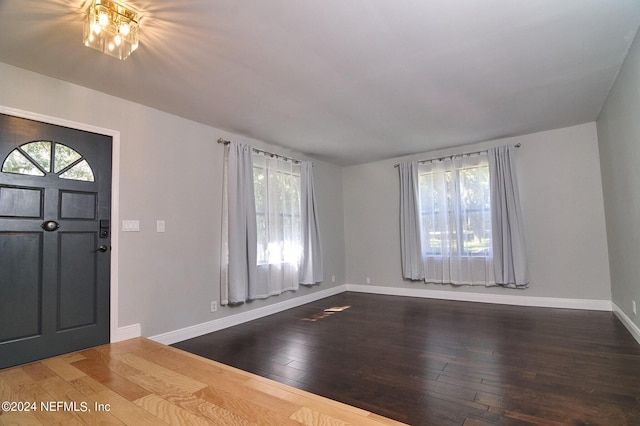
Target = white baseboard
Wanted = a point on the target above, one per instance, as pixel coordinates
(190, 332)
(172, 337)
(126, 332)
(503, 299)
(633, 329)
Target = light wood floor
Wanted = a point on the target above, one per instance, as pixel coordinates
(140, 382)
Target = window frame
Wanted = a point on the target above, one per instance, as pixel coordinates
(51, 167)
(453, 178)
(263, 256)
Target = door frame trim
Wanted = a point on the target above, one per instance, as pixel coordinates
(116, 333)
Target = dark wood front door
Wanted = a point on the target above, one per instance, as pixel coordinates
(55, 233)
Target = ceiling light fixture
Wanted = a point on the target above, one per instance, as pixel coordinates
(111, 28)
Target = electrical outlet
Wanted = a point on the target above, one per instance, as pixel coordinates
(214, 306)
(635, 311)
(333, 278)
(368, 280)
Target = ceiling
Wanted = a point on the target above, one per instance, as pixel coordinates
(346, 81)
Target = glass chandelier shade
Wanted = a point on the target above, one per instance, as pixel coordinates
(111, 28)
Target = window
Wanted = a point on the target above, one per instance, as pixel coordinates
(277, 198)
(37, 158)
(264, 257)
(450, 204)
(455, 216)
(456, 208)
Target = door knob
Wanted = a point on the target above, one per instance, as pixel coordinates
(50, 225)
(102, 249)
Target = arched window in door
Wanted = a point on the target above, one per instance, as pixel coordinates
(43, 157)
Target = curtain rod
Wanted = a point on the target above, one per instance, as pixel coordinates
(518, 145)
(259, 151)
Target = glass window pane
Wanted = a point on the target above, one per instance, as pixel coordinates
(63, 157)
(261, 238)
(477, 233)
(259, 188)
(456, 212)
(277, 196)
(40, 152)
(81, 171)
(475, 211)
(18, 163)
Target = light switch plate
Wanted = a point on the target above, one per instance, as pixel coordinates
(160, 226)
(130, 226)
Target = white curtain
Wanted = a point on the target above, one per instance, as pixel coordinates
(410, 232)
(456, 221)
(238, 263)
(279, 245)
(508, 235)
(311, 264)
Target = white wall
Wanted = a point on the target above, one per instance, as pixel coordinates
(561, 195)
(170, 169)
(619, 140)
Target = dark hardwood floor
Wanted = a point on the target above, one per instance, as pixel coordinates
(435, 362)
